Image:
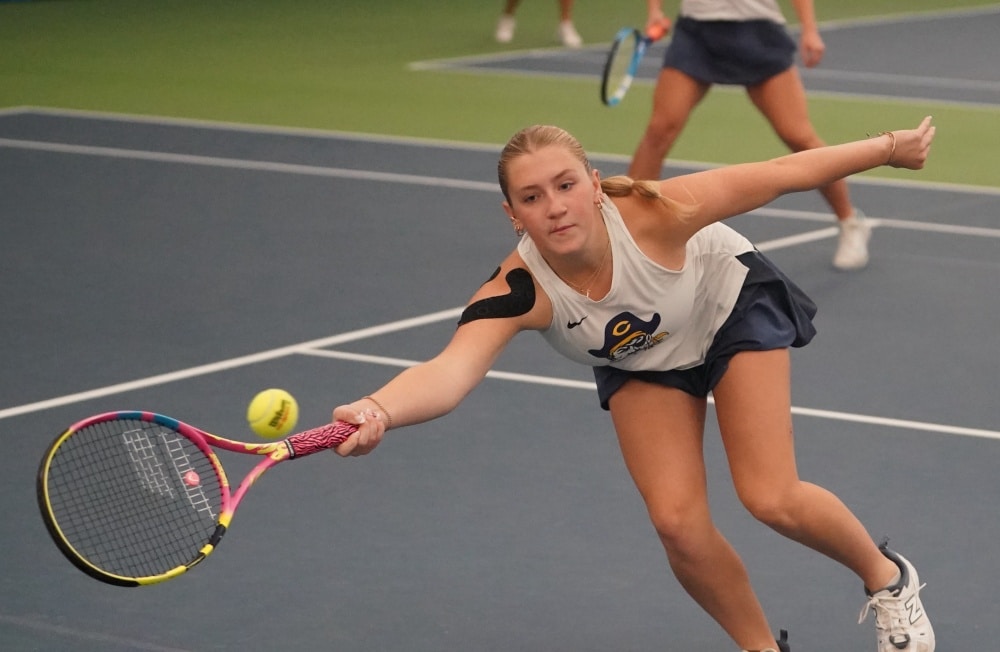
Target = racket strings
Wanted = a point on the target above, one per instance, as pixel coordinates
(133, 498)
(620, 66)
(619, 75)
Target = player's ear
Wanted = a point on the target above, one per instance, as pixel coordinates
(598, 192)
(518, 229)
(507, 209)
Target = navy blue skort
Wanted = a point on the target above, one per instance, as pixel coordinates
(739, 53)
(771, 312)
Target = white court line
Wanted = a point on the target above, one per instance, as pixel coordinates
(911, 17)
(251, 128)
(479, 186)
(800, 238)
(246, 164)
(404, 363)
(310, 347)
(436, 142)
(914, 99)
(908, 225)
(904, 80)
(317, 348)
(232, 363)
(576, 384)
(380, 138)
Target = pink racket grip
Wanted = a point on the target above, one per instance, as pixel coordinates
(319, 439)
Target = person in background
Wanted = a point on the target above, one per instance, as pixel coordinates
(744, 43)
(643, 281)
(565, 32)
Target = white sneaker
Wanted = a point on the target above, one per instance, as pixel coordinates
(901, 623)
(852, 245)
(505, 29)
(568, 35)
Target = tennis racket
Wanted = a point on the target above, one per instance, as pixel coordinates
(624, 57)
(135, 498)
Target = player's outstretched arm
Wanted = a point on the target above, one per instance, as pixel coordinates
(727, 191)
(503, 307)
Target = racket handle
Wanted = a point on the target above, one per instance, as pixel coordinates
(657, 31)
(319, 439)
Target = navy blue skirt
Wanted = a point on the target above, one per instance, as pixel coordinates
(739, 53)
(771, 312)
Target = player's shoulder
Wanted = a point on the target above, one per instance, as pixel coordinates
(647, 218)
(510, 292)
(513, 265)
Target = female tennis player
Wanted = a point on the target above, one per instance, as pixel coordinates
(642, 281)
(744, 43)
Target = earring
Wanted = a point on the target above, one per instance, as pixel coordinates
(518, 231)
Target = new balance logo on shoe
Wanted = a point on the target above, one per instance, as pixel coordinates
(914, 608)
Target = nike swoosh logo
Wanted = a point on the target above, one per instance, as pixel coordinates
(574, 324)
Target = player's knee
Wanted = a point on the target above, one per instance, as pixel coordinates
(769, 504)
(662, 133)
(679, 528)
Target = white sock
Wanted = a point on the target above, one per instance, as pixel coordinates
(893, 582)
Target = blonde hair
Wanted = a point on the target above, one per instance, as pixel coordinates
(531, 139)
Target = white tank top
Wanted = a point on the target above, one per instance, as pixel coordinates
(732, 10)
(653, 318)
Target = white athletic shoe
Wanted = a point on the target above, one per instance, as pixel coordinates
(901, 624)
(505, 29)
(852, 245)
(568, 35)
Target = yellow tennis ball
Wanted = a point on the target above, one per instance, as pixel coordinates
(273, 413)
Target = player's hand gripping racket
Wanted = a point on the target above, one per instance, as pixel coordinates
(627, 51)
(135, 498)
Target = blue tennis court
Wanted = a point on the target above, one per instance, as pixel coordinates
(182, 266)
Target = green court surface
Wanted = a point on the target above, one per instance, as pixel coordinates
(343, 66)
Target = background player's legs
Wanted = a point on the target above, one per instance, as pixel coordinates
(565, 31)
(566, 10)
(675, 97)
(507, 22)
(782, 100)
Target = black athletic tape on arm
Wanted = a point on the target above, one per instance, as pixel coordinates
(519, 301)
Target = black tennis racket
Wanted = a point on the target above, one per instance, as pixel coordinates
(624, 57)
(135, 498)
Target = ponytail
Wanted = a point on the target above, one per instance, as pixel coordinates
(623, 186)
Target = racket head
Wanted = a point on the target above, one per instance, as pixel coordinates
(621, 65)
(133, 498)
